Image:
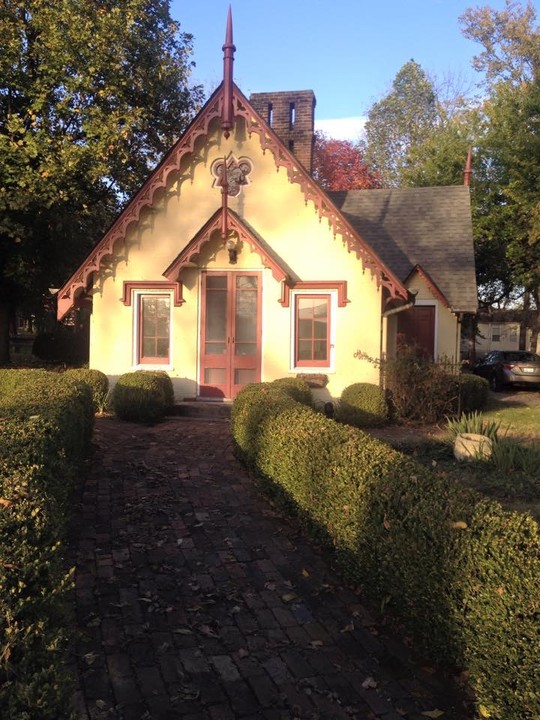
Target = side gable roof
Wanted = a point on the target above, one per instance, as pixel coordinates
(79, 282)
(427, 227)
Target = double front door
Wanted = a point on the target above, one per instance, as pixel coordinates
(230, 353)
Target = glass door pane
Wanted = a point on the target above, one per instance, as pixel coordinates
(216, 316)
(245, 318)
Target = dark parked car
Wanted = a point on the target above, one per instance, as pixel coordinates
(509, 367)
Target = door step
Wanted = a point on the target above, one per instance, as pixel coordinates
(203, 410)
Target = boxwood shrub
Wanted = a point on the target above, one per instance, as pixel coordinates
(363, 405)
(459, 574)
(96, 380)
(473, 392)
(45, 428)
(297, 388)
(252, 404)
(63, 401)
(143, 396)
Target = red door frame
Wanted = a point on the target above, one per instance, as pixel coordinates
(228, 360)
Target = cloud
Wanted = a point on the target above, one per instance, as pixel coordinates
(342, 128)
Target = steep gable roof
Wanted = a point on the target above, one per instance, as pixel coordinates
(185, 148)
(426, 227)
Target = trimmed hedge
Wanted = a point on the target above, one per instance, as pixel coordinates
(473, 391)
(456, 571)
(297, 388)
(45, 429)
(363, 405)
(252, 404)
(96, 380)
(54, 397)
(143, 396)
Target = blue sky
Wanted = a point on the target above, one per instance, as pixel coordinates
(346, 51)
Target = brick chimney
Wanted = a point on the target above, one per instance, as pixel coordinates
(291, 115)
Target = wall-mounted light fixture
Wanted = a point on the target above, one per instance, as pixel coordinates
(232, 249)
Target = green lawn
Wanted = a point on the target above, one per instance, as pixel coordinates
(515, 490)
(520, 413)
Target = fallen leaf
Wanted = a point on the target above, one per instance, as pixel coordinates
(348, 628)
(90, 658)
(386, 523)
(500, 591)
(369, 682)
(270, 586)
(101, 704)
(5, 503)
(188, 692)
(289, 597)
(460, 525)
(183, 631)
(316, 643)
(243, 653)
(401, 711)
(305, 573)
(484, 712)
(433, 713)
(207, 630)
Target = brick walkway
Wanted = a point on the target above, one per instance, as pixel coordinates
(196, 600)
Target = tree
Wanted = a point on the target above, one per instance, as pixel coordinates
(91, 95)
(507, 217)
(510, 39)
(441, 158)
(339, 165)
(399, 122)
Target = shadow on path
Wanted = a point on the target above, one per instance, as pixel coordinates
(196, 600)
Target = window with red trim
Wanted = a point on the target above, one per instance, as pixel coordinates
(312, 330)
(154, 328)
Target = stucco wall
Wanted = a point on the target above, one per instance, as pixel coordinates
(277, 211)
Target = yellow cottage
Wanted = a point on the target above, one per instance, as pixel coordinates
(232, 266)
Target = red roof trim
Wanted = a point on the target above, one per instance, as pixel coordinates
(234, 223)
(432, 285)
(339, 285)
(142, 200)
(130, 285)
(312, 192)
(186, 147)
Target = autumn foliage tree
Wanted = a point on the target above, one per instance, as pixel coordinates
(339, 165)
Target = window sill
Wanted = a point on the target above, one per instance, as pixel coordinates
(153, 366)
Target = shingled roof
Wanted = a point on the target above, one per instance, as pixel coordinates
(430, 227)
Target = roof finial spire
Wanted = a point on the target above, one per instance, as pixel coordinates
(468, 168)
(227, 116)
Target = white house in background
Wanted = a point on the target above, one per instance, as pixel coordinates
(499, 335)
